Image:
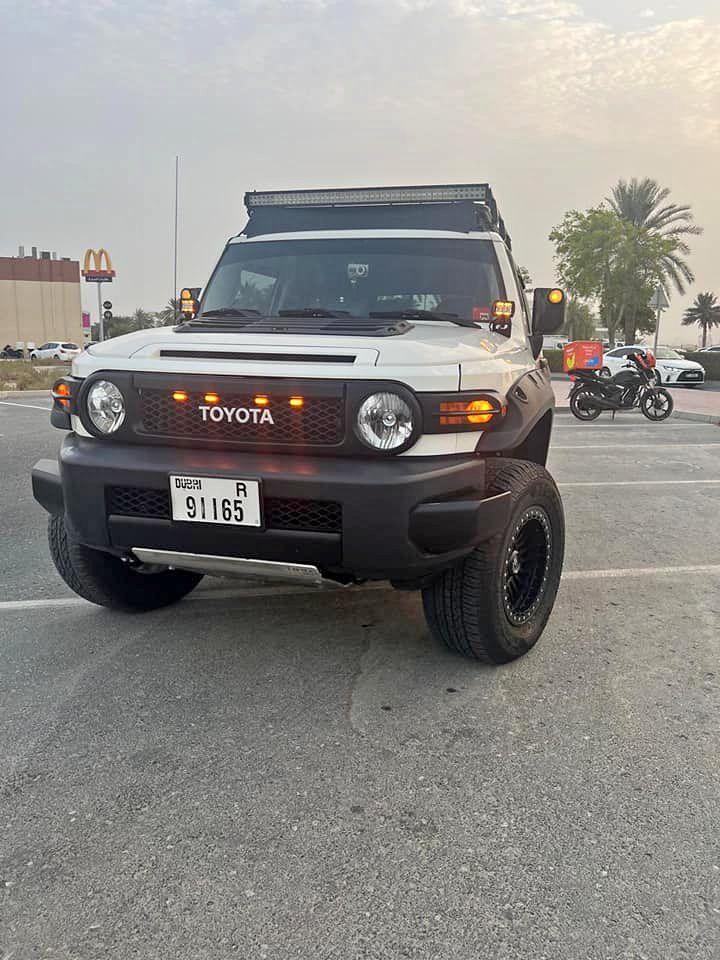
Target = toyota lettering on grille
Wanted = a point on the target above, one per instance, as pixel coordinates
(217, 414)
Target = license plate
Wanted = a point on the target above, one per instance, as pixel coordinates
(692, 376)
(234, 503)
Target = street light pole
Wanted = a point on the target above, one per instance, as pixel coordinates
(101, 319)
(175, 259)
(657, 328)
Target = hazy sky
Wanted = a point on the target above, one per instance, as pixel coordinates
(549, 100)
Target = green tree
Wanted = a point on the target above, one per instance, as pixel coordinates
(579, 322)
(704, 313)
(140, 320)
(169, 314)
(601, 257)
(643, 203)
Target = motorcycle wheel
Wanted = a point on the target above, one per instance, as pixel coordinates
(585, 414)
(657, 404)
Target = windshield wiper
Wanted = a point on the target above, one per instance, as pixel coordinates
(230, 312)
(424, 315)
(313, 312)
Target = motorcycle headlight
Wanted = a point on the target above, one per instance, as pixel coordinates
(105, 406)
(385, 421)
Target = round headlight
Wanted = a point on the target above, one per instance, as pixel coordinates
(385, 421)
(105, 406)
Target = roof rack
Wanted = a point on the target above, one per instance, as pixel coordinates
(478, 194)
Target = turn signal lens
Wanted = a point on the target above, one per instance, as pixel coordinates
(472, 411)
(556, 296)
(482, 411)
(180, 396)
(211, 398)
(503, 309)
(261, 401)
(61, 393)
(297, 402)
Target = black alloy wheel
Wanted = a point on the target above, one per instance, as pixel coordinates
(527, 561)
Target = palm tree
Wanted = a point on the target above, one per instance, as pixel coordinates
(643, 203)
(705, 312)
(169, 313)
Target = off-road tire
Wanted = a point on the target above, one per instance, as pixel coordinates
(466, 607)
(106, 580)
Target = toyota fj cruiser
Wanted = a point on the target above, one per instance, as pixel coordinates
(357, 395)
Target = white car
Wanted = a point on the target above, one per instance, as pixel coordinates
(55, 350)
(671, 367)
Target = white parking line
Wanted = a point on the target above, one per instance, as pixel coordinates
(712, 569)
(634, 446)
(26, 406)
(631, 483)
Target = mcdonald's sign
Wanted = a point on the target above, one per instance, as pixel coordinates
(98, 273)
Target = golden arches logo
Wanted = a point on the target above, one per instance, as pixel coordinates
(97, 272)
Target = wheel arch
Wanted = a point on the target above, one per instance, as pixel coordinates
(536, 444)
(525, 431)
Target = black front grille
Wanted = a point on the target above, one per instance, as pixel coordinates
(319, 515)
(319, 422)
(138, 502)
(316, 516)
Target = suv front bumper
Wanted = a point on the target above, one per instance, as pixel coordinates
(402, 519)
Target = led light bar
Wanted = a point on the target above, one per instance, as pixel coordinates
(479, 192)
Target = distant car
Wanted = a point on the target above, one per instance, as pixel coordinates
(670, 368)
(55, 350)
(715, 349)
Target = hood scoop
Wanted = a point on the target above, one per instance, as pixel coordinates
(244, 355)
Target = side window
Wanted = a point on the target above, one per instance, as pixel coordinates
(523, 308)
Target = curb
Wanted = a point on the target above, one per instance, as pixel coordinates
(712, 418)
(19, 394)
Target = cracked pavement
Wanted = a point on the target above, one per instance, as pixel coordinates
(311, 776)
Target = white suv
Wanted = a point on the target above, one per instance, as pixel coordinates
(55, 350)
(358, 395)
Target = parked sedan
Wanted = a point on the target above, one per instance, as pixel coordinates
(55, 350)
(670, 368)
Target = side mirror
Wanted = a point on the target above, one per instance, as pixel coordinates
(548, 313)
(190, 302)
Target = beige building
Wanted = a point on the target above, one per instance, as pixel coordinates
(39, 300)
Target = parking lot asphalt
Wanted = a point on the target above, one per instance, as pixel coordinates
(266, 774)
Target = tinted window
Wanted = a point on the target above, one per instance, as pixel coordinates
(359, 276)
(69, 346)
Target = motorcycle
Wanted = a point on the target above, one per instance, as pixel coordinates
(10, 353)
(637, 387)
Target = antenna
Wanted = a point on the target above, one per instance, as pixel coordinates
(175, 256)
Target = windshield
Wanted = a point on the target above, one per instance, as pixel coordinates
(665, 353)
(358, 276)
